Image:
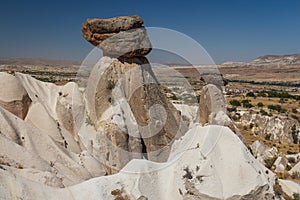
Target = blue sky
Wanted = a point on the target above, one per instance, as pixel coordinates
(230, 30)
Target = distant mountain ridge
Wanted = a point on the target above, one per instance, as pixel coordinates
(292, 59)
(277, 59)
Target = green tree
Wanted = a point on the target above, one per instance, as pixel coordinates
(260, 104)
(294, 110)
(250, 94)
(275, 107)
(246, 103)
(235, 103)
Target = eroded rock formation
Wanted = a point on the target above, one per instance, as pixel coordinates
(202, 171)
(276, 128)
(68, 135)
(127, 103)
(212, 109)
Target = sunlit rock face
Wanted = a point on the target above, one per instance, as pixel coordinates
(130, 108)
(212, 109)
(124, 99)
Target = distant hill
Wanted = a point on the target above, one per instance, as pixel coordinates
(37, 61)
(293, 59)
(277, 59)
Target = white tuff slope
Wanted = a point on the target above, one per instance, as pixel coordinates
(44, 147)
(207, 163)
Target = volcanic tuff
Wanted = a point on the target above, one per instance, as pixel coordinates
(212, 109)
(13, 96)
(128, 89)
(277, 128)
(200, 166)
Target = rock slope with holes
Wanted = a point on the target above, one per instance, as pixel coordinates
(200, 166)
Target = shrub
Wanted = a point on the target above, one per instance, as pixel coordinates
(251, 125)
(282, 95)
(263, 112)
(268, 136)
(250, 94)
(296, 196)
(295, 138)
(281, 100)
(235, 103)
(291, 152)
(110, 85)
(295, 117)
(173, 97)
(269, 162)
(292, 160)
(262, 94)
(294, 110)
(294, 134)
(275, 107)
(246, 103)
(295, 175)
(88, 121)
(283, 110)
(260, 104)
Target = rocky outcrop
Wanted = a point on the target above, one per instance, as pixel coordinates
(212, 109)
(118, 37)
(276, 128)
(124, 99)
(281, 163)
(132, 111)
(211, 102)
(262, 152)
(290, 188)
(45, 146)
(295, 169)
(13, 96)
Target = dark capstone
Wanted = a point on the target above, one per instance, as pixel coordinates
(118, 37)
